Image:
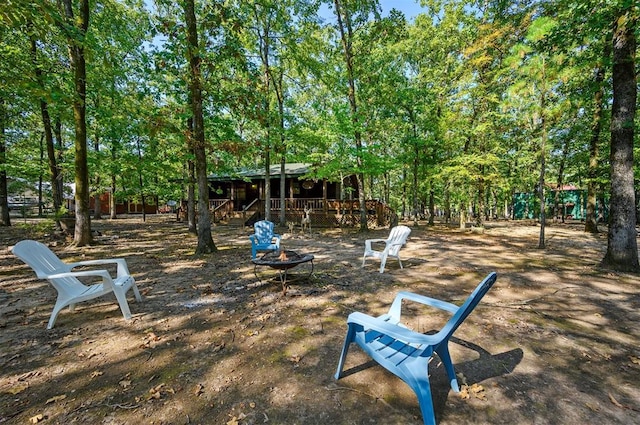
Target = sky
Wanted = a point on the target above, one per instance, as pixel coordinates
(410, 8)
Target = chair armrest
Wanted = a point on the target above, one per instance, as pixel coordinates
(122, 270)
(394, 331)
(396, 306)
(104, 274)
(396, 243)
(369, 242)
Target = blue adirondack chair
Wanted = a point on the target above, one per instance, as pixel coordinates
(263, 238)
(406, 353)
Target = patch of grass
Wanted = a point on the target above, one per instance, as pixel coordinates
(277, 357)
(36, 229)
(298, 332)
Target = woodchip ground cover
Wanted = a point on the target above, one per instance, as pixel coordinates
(556, 341)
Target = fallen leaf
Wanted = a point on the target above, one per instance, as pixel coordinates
(634, 359)
(199, 389)
(593, 407)
(155, 392)
(125, 384)
(18, 388)
(95, 374)
(478, 392)
(56, 398)
(35, 419)
(295, 358)
(464, 393)
(156, 388)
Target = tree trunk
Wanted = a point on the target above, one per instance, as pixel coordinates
(112, 199)
(346, 34)
(57, 131)
(191, 198)
(622, 247)
(557, 209)
(141, 181)
(205, 241)
(54, 170)
(279, 89)
(591, 219)
(5, 219)
(416, 164)
(82, 233)
(541, 180)
(479, 219)
(283, 189)
(432, 205)
(97, 201)
(543, 163)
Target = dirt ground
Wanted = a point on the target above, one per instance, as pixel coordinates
(556, 341)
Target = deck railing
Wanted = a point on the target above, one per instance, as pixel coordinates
(324, 212)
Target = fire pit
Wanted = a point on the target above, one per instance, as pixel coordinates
(282, 260)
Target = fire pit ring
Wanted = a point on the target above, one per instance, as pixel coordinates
(282, 260)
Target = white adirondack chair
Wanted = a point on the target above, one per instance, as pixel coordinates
(70, 289)
(397, 238)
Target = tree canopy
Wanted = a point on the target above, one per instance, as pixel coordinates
(452, 113)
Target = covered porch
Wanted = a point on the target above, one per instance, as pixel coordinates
(240, 199)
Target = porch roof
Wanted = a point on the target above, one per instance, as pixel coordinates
(295, 169)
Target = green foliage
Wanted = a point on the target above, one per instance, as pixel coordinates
(454, 103)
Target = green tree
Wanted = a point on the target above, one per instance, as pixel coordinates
(350, 15)
(5, 219)
(622, 248)
(75, 26)
(197, 139)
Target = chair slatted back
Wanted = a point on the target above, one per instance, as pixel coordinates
(397, 238)
(472, 301)
(264, 231)
(40, 258)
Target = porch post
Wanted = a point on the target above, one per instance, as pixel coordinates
(324, 197)
(232, 195)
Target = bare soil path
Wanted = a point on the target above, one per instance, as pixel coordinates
(556, 341)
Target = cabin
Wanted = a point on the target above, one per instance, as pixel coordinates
(239, 198)
(123, 206)
(572, 204)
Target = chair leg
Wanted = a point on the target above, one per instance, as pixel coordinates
(443, 353)
(383, 262)
(121, 296)
(136, 292)
(364, 257)
(423, 392)
(345, 349)
(54, 314)
(418, 380)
